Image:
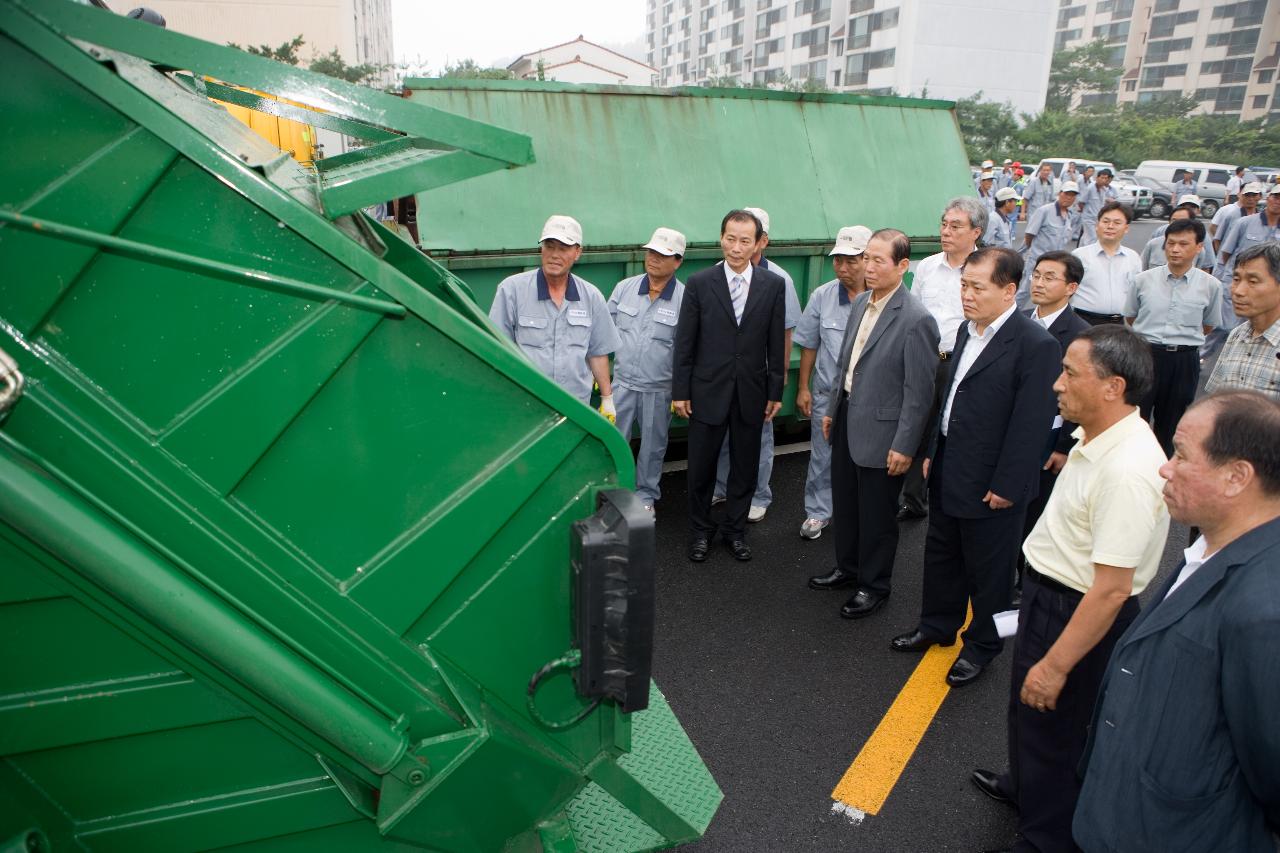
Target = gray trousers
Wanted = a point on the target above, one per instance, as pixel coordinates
(764, 495)
(817, 485)
(651, 410)
(1090, 234)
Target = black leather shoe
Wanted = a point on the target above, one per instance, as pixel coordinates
(989, 784)
(863, 603)
(906, 513)
(917, 641)
(963, 672)
(698, 549)
(835, 579)
(740, 550)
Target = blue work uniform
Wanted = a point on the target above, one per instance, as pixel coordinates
(642, 371)
(1153, 254)
(1036, 194)
(998, 232)
(821, 328)
(764, 494)
(558, 340)
(1093, 199)
(1050, 227)
(1247, 231)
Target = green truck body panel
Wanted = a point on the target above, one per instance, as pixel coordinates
(625, 160)
(284, 523)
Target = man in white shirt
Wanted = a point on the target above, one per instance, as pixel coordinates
(937, 285)
(1234, 183)
(1109, 269)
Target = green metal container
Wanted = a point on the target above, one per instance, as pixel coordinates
(626, 160)
(286, 528)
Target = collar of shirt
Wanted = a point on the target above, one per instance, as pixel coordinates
(1100, 444)
(1047, 321)
(995, 324)
(1193, 558)
(1271, 335)
(1174, 279)
(666, 291)
(843, 294)
(729, 273)
(878, 304)
(544, 290)
(1062, 211)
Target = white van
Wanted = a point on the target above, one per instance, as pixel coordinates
(1210, 179)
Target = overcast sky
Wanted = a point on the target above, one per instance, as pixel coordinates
(495, 32)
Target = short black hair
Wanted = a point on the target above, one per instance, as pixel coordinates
(1008, 264)
(900, 242)
(1072, 266)
(1115, 205)
(1246, 426)
(737, 215)
(1177, 226)
(1116, 350)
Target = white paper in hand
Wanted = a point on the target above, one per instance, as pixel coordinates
(1006, 623)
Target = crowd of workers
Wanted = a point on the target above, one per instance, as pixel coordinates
(1040, 409)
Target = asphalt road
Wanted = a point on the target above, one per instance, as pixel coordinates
(778, 693)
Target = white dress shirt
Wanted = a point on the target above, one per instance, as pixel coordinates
(937, 285)
(1194, 557)
(972, 349)
(729, 276)
(1107, 278)
(1046, 321)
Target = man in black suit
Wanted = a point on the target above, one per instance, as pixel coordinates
(984, 463)
(1055, 280)
(727, 377)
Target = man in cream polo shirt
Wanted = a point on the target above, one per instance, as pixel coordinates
(1096, 546)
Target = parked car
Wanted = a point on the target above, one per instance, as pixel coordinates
(1134, 196)
(1210, 179)
(1161, 197)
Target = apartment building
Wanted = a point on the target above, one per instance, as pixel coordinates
(1224, 54)
(944, 48)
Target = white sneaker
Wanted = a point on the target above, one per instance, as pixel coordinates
(756, 513)
(812, 528)
(717, 499)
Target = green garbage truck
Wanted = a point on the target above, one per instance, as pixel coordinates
(296, 552)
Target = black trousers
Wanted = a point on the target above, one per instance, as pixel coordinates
(1045, 749)
(913, 485)
(1034, 510)
(864, 504)
(967, 561)
(705, 441)
(1177, 376)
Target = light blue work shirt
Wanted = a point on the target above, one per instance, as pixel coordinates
(1247, 231)
(1181, 189)
(998, 232)
(821, 328)
(558, 340)
(1153, 255)
(791, 299)
(1049, 228)
(1174, 311)
(647, 331)
(1093, 199)
(1037, 194)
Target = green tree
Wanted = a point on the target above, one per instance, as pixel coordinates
(335, 66)
(286, 53)
(1079, 71)
(467, 69)
(988, 128)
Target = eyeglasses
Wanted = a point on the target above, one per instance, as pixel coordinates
(954, 226)
(1047, 279)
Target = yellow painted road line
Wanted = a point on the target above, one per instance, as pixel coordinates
(870, 778)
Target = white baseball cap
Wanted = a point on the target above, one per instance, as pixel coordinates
(1008, 162)
(1006, 193)
(987, 176)
(759, 213)
(1275, 190)
(987, 164)
(1251, 188)
(852, 240)
(563, 229)
(1069, 187)
(666, 241)
(1190, 199)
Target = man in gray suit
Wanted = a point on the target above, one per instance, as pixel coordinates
(1185, 748)
(879, 412)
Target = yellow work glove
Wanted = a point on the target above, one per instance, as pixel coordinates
(607, 409)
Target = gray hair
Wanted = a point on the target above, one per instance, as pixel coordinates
(971, 207)
(1116, 350)
(1268, 251)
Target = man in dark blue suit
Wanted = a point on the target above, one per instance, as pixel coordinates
(985, 462)
(1184, 751)
(727, 373)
